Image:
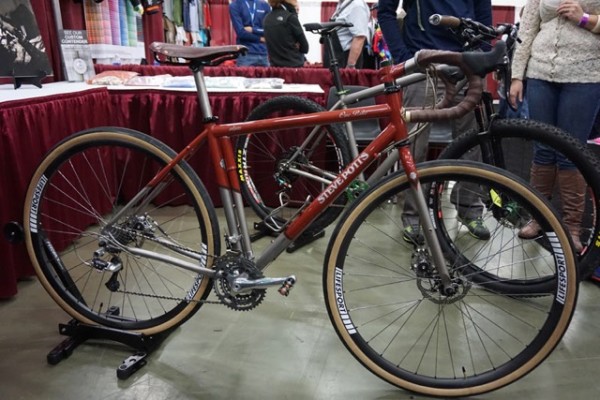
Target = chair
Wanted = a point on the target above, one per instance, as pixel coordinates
(439, 137)
(365, 130)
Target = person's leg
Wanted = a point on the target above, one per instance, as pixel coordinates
(543, 101)
(595, 133)
(244, 60)
(262, 61)
(252, 60)
(543, 178)
(467, 197)
(578, 107)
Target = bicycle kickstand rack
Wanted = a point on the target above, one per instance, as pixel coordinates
(263, 230)
(303, 240)
(79, 332)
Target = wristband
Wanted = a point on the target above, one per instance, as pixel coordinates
(584, 20)
(351, 66)
(596, 28)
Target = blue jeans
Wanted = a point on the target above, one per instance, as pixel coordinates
(253, 60)
(569, 106)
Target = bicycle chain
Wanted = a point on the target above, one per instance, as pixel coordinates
(252, 300)
(157, 296)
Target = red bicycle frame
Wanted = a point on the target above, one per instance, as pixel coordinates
(224, 162)
(225, 166)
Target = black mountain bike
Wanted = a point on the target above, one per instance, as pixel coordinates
(280, 172)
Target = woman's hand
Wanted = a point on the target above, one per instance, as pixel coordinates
(571, 10)
(516, 93)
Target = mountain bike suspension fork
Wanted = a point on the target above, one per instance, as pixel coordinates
(491, 147)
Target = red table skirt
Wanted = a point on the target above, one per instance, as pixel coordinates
(29, 128)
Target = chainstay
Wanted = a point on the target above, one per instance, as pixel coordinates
(156, 296)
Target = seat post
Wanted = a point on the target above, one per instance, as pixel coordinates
(204, 103)
(334, 65)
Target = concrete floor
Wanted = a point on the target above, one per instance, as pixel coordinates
(284, 349)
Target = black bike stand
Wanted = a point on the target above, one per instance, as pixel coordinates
(263, 230)
(79, 332)
(303, 240)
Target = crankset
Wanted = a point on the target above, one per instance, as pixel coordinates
(241, 286)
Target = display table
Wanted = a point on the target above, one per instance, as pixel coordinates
(32, 120)
(308, 75)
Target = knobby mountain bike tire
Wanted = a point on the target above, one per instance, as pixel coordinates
(86, 180)
(278, 174)
(509, 144)
(384, 300)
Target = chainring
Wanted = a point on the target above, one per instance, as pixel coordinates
(229, 267)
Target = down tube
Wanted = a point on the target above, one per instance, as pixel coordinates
(339, 184)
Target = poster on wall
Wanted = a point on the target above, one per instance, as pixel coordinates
(76, 54)
(22, 51)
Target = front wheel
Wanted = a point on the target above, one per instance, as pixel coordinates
(385, 298)
(105, 274)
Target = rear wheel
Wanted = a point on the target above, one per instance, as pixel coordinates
(509, 144)
(102, 274)
(280, 170)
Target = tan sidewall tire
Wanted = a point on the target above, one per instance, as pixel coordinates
(104, 135)
(561, 327)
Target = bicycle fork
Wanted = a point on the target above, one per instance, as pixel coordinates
(448, 287)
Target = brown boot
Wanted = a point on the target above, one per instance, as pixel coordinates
(572, 187)
(542, 178)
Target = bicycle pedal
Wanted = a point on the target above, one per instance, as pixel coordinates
(287, 286)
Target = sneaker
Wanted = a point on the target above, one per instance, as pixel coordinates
(413, 235)
(476, 228)
(531, 230)
(596, 275)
